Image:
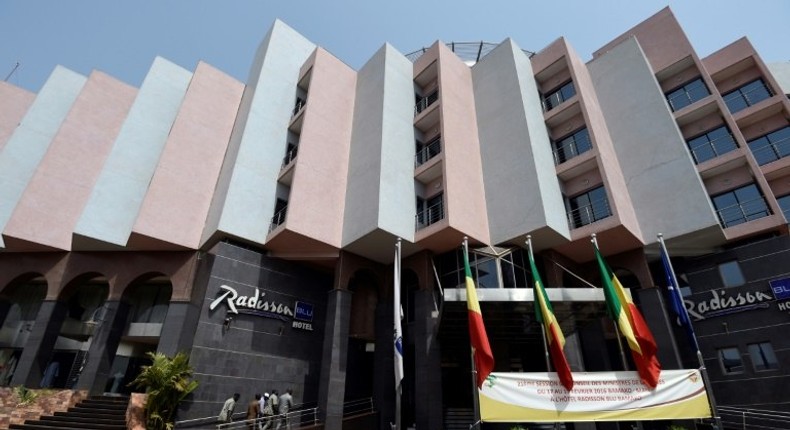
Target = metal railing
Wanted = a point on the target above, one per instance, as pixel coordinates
(427, 152)
(426, 101)
(743, 212)
(289, 156)
(570, 149)
(772, 151)
(429, 216)
(687, 95)
(744, 418)
(713, 148)
(359, 406)
(299, 105)
(739, 99)
(588, 214)
(290, 420)
(557, 97)
(278, 218)
(466, 51)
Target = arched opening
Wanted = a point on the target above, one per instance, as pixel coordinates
(145, 304)
(84, 300)
(362, 334)
(19, 305)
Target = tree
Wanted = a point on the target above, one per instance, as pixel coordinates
(167, 381)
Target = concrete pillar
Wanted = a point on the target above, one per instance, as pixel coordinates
(104, 343)
(427, 363)
(332, 385)
(40, 344)
(178, 328)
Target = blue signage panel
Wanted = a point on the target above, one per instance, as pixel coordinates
(781, 288)
(304, 312)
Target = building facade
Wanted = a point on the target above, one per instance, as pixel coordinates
(253, 225)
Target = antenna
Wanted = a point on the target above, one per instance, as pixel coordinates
(16, 66)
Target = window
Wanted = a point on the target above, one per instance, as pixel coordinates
(422, 103)
(711, 144)
(571, 146)
(784, 203)
(687, 94)
(588, 207)
(763, 357)
(747, 95)
(730, 359)
(740, 205)
(426, 151)
(559, 95)
(772, 146)
(731, 274)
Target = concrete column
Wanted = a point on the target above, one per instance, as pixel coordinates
(40, 344)
(332, 385)
(178, 329)
(104, 343)
(384, 365)
(427, 363)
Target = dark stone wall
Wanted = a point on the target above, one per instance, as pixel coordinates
(255, 354)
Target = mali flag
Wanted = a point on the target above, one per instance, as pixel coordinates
(631, 324)
(545, 315)
(481, 350)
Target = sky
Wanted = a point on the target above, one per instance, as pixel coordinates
(122, 38)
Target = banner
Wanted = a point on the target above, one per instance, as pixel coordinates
(596, 396)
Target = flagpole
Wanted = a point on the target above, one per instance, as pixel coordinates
(398, 332)
(475, 399)
(542, 330)
(703, 369)
(594, 241)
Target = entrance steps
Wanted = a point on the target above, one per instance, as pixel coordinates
(458, 418)
(93, 413)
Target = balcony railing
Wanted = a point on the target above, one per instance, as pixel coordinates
(429, 216)
(743, 212)
(299, 105)
(427, 152)
(278, 218)
(589, 214)
(747, 95)
(570, 148)
(771, 151)
(426, 101)
(557, 97)
(289, 156)
(713, 148)
(686, 95)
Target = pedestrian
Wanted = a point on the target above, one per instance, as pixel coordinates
(252, 412)
(226, 414)
(272, 406)
(286, 402)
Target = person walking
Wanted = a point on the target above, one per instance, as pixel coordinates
(286, 402)
(272, 407)
(252, 412)
(226, 413)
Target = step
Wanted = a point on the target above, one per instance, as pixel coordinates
(46, 427)
(97, 410)
(65, 420)
(77, 424)
(90, 415)
(103, 405)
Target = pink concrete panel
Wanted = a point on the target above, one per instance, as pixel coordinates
(661, 38)
(59, 189)
(175, 208)
(725, 57)
(463, 169)
(318, 190)
(14, 102)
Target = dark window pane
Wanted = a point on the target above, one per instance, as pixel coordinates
(731, 274)
(763, 356)
(730, 359)
(740, 205)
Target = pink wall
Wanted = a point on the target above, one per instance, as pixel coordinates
(56, 195)
(14, 102)
(175, 208)
(318, 190)
(463, 168)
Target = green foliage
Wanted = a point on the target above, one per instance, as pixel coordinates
(677, 427)
(25, 395)
(167, 381)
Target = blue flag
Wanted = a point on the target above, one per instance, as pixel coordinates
(676, 300)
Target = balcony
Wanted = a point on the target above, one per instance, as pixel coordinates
(747, 95)
(431, 215)
(299, 105)
(426, 101)
(711, 145)
(687, 94)
(278, 218)
(290, 155)
(590, 213)
(557, 97)
(771, 147)
(576, 144)
(743, 212)
(426, 152)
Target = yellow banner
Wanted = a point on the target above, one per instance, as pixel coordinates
(596, 396)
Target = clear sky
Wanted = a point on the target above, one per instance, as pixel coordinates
(123, 37)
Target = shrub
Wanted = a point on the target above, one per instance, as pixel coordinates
(167, 381)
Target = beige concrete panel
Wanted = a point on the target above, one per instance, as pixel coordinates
(317, 199)
(725, 57)
(175, 208)
(14, 102)
(463, 169)
(53, 201)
